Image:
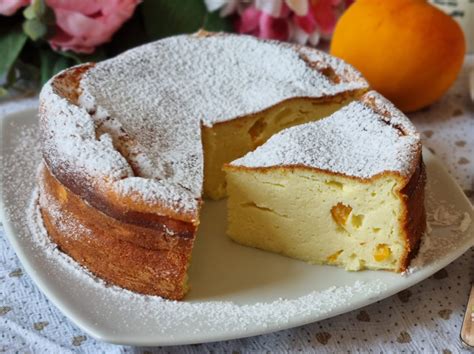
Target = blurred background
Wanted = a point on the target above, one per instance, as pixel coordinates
(39, 38)
(418, 53)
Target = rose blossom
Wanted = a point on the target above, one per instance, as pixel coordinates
(9, 7)
(83, 25)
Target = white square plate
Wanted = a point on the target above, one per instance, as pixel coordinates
(236, 291)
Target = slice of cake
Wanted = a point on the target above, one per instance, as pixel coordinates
(347, 190)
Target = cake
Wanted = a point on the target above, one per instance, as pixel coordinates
(131, 144)
(347, 190)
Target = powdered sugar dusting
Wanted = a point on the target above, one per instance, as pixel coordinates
(18, 167)
(355, 141)
(69, 138)
(150, 103)
(212, 315)
(92, 145)
(163, 316)
(66, 222)
(202, 316)
(388, 112)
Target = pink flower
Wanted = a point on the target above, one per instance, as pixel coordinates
(273, 28)
(83, 25)
(326, 13)
(258, 23)
(248, 22)
(307, 23)
(9, 7)
(300, 21)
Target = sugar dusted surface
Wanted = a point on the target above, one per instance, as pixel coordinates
(229, 316)
(73, 141)
(85, 145)
(446, 232)
(355, 141)
(212, 315)
(165, 316)
(161, 93)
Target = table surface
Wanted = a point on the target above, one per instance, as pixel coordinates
(424, 318)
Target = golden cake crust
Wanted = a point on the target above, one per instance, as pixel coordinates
(144, 247)
(135, 257)
(414, 214)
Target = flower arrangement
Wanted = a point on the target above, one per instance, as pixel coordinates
(300, 21)
(39, 38)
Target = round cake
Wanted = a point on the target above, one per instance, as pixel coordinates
(132, 144)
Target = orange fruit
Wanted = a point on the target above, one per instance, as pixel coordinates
(408, 50)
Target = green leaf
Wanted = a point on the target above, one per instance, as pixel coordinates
(46, 64)
(35, 29)
(213, 22)
(29, 12)
(39, 7)
(169, 17)
(11, 44)
(71, 55)
(76, 58)
(51, 63)
(61, 64)
(40, 20)
(3, 91)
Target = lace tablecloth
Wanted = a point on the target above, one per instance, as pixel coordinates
(424, 318)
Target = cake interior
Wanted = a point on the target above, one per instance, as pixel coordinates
(317, 216)
(227, 141)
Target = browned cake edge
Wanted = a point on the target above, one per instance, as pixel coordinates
(137, 258)
(413, 219)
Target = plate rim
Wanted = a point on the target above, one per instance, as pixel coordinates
(191, 338)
